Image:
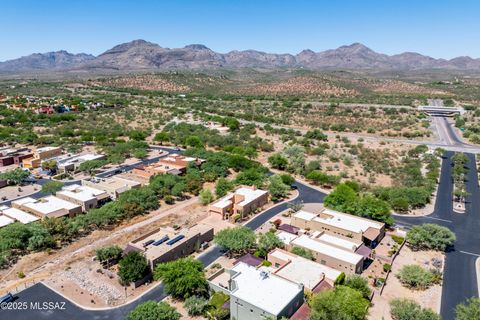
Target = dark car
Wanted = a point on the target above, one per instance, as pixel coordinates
(6, 298)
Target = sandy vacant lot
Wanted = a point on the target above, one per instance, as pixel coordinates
(430, 298)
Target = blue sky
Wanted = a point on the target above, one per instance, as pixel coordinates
(437, 28)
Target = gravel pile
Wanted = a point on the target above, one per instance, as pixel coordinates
(82, 277)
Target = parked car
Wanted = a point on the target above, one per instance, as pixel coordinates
(6, 298)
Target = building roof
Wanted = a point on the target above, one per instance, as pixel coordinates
(249, 259)
(250, 194)
(302, 270)
(286, 237)
(114, 182)
(371, 233)
(326, 249)
(263, 289)
(305, 215)
(46, 205)
(154, 251)
(343, 243)
(288, 228)
(340, 220)
(5, 221)
(48, 148)
(303, 313)
(79, 159)
(19, 215)
(82, 193)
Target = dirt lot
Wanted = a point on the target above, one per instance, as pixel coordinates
(430, 298)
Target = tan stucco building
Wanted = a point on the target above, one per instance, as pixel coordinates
(244, 200)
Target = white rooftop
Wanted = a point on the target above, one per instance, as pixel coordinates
(43, 149)
(341, 220)
(339, 242)
(79, 159)
(286, 237)
(46, 205)
(302, 270)
(326, 249)
(19, 215)
(5, 221)
(82, 193)
(263, 289)
(249, 194)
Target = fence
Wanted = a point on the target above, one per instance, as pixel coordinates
(389, 271)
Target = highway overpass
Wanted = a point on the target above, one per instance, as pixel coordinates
(441, 111)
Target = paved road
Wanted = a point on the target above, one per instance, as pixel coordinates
(41, 293)
(459, 278)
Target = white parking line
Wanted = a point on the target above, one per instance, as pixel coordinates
(470, 253)
(444, 220)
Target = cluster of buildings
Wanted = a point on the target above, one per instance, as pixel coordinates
(32, 159)
(339, 243)
(172, 164)
(68, 202)
(49, 105)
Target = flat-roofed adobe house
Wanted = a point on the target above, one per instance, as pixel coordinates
(84, 196)
(257, 293)
(163, 245)
(336, 223)
(51, 207)
(301, 270)
(244, 200)
(172, 164)
(113, 186)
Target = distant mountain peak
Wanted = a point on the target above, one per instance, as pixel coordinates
(197, 47)
(143, 55)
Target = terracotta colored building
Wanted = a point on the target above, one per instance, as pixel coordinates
(173, 164)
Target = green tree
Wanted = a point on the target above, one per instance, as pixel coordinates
(50, 165)
(405, 309)
(414, 276)
(360, 284)
(222, 187)
(91, 165)
(15, 176)
(296, 158)
(430, 236)
(162, 137)
(277, 161)
(268, 241)
(342, 198)
(236, 240)
(299, 251)
(52, 187)
(287, 179)
(206, 196)
(132, 267)
(195, 305)
(183, 278)
(469, 310)
(277, 189)
(152, 310)
(339, 303)
(109, 253)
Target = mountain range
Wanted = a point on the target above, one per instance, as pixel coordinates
(144, 55)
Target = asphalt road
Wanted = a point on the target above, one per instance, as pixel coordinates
(459, 282)
(459, 278)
